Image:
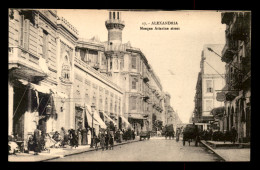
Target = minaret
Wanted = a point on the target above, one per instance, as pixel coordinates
(115, 27)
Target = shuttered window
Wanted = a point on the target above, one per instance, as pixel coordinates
(133, 62)
(24, 32)
(45, 45)
(133, 102)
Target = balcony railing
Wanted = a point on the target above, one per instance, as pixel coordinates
(17, 54)
(115, 21)
(115, 47)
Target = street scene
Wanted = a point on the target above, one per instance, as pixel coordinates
(129, 85)
(156, 149)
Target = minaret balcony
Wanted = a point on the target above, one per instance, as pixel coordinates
(115, 21)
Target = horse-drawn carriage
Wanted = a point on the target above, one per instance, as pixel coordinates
(168, 131)
(145, 135)
(190, 132)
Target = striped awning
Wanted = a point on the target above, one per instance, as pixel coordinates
(96, 116)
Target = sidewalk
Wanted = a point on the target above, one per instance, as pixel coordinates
(57, 153)
(230, 154)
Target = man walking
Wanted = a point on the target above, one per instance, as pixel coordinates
(233, 135)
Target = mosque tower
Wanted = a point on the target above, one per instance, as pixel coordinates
(115, 27)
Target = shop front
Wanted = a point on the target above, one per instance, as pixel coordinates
(137, 122)
(32, 105)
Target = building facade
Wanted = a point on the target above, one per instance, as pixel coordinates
(55, 76)
(236, 54)
(210, 81)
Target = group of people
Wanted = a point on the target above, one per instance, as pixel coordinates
(41, 141)
(106, 138)
(220, 136)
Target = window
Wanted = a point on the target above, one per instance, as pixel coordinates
(24, 32)
(134, 82)
(133, 103)
(133, 62)
(110, 15)
(83, 55)
(122, 64)
(116, 64)
(209, 105)
(114, 15)
(104, 62)
(111, 106)
(209, 86)
(65, 72)
(117, 15)
(111, 64)
(45, 45)
(93, 56)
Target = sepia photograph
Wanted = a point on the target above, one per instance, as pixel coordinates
(129, 85)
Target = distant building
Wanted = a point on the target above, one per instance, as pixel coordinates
(210, 81)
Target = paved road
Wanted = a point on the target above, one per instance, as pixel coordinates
(155, 149)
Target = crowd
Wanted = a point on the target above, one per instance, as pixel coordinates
(40, 141)
(219, 136)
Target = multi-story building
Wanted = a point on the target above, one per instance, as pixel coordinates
(210, 81)
(33, 91)
(55, 76)
(236, 54)
(129, 69)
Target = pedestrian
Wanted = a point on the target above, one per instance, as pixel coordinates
(177, 135)
(73, 138)
(133, 134)
(102, 142)
(62, 136)
(36, 140)
(106, 140)
(96, 141)
(196, 133)
(120, 136)
(233, 135)
(79, 134)
(30, 144)
(111, 141)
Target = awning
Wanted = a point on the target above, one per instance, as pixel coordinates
(218, 111)
(96, 117)
(109, 118)
(125, 120)
(42, 89)
(136, 116)
(89, 118)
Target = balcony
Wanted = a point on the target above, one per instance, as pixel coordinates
(228, 53)
(115, 21)
(241, 27)
(114, 47)
(26, 65)
(226, 17)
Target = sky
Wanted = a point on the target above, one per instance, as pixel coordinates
(173, 54)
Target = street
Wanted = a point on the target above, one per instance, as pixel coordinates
(155, 149)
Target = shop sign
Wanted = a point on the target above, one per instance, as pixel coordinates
(221, 96)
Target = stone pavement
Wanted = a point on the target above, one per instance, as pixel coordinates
(230, 154)
(56, 153)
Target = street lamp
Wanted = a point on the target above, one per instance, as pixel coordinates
(92, 130)
(48, 109)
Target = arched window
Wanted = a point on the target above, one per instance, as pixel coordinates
(65, 72)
